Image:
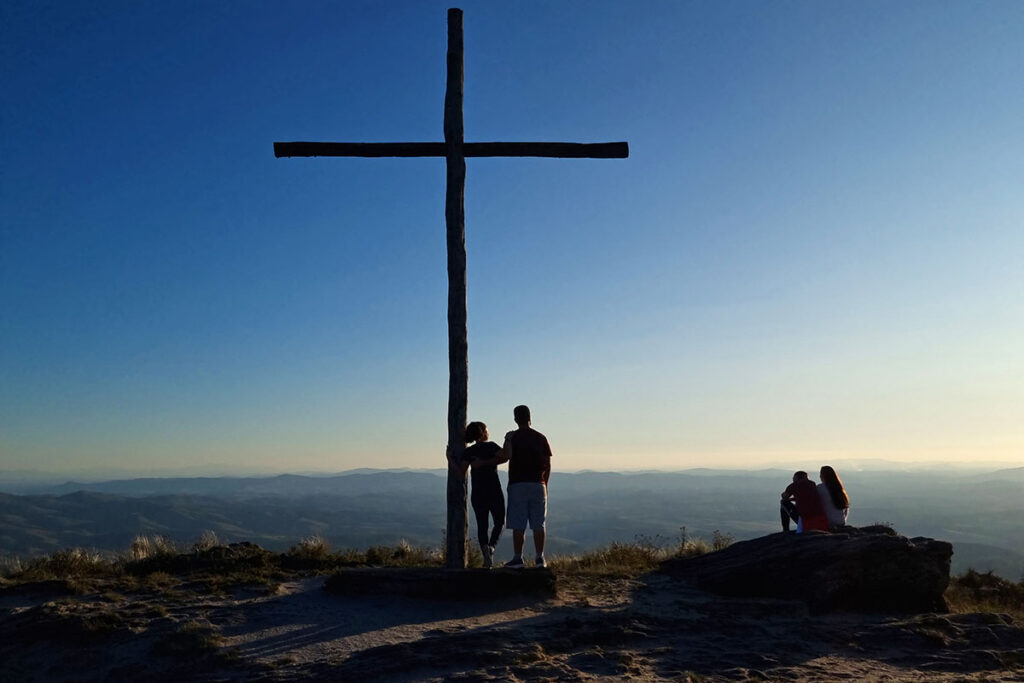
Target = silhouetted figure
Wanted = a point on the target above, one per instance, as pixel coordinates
(455, 150)
(800, 502)
(529, 468)
(487, 499)
(833, 498)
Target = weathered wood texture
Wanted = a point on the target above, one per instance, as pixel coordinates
(458, 358)
(359, 149)
(455, 150)
(558, 150)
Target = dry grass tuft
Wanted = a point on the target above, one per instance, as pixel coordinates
(720, 541)
(207, 541)
(146, 547)
(402, 555)
(191, 639)
(313, 553)
(313, 547)
(10, 565)
(72, 563)
(155, 563)
(985, 592)
(644, 554)
(615, 558)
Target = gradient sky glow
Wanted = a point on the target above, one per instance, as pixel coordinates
(815, 249)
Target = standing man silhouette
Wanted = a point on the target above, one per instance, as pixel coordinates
(529, 468)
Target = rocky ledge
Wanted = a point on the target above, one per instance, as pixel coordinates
(869, 569)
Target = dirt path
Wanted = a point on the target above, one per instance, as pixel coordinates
(647, 629)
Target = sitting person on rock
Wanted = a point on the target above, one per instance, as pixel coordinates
(800, 502)
(833, 498)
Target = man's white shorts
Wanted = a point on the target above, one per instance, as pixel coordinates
(527, 502)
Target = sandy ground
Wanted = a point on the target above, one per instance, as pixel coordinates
(649, 629)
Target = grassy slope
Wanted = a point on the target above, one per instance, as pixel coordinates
(154, 563)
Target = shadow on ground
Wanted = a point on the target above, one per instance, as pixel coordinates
(668, 630)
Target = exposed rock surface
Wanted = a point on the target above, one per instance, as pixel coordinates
(872, 569)
(650, 628)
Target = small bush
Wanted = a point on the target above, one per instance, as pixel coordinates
(66, 564)
(402, 555)
(140, 549)
(691, 547)
(349, 557)
(145, 547)
(311, 547)
(975, 591)
(10, 565)
(378, 555)
(207, 541)
(720, 541)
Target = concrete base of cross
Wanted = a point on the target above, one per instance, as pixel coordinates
(448, 584)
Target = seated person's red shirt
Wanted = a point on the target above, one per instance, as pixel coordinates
(808, 505)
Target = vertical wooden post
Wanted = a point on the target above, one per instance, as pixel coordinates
(455, 150)
(458, 361)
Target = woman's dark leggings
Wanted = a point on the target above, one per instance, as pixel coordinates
(788, 512)
(495, 507)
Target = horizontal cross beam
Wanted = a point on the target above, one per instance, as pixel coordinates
(561, 150)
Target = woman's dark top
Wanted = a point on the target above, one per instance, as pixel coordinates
(485, 477)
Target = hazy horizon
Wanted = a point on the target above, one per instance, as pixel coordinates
(974, 509)
(220, 470)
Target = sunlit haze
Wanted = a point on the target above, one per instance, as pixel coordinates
(813, 252)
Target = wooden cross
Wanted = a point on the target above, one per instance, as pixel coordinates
(455, 150)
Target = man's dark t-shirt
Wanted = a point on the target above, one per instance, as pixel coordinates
(529, 456)
(485, 477)
(805, 494)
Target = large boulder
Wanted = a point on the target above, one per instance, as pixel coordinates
(872, 569)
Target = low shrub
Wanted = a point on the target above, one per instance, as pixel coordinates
(403, 555)
(71, 563)
(144, 547)
(156, 563)
(614, 558)
(10, 565)
(691, 547)
(207, 540)
(975, 591)
(311, 547)
(720, 541)
(644, 554)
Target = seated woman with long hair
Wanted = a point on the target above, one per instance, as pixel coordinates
(833, 498)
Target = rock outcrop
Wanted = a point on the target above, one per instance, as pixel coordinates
(872, 569)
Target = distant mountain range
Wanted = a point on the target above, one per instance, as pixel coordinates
(982, 513)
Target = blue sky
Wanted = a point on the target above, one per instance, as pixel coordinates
(813, 252)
